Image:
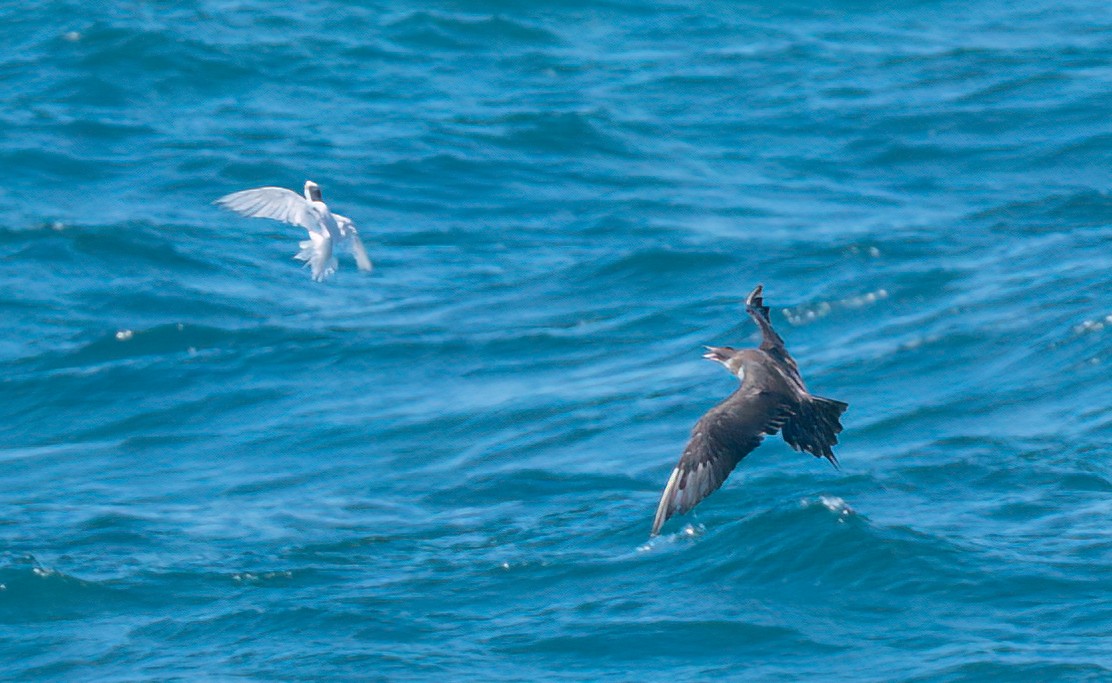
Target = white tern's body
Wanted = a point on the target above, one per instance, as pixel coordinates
(326, 229)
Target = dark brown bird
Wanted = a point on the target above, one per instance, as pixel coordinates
(771, 398)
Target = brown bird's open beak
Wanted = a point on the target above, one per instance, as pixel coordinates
(716, 354)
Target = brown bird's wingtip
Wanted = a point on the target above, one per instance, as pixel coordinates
(755, 294)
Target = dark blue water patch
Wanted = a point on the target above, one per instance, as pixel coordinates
(135, 55)
(120, 249)
(1032, 87)
(1085, 209)
(561, 134)
(1019, 670)
(449, 467)
(33, 593)
(473, 175)
(1081, 150)
(173, 340)
(442, 31)
(105, 131)
(526, 485)
(649, 265)
(688, 640)
(57, 167)
(114, 528)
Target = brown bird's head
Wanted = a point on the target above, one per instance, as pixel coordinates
(728, 357)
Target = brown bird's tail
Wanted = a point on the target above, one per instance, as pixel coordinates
(814, 427)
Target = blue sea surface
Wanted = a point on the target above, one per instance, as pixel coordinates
(215, 468)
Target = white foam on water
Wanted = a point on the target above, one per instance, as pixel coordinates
(688, 531)
(833, 503)
(801, 315)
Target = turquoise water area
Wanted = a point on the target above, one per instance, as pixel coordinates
(215, 468)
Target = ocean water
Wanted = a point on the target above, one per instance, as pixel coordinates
(215, 468)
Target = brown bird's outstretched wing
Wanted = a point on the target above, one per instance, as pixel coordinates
(720, 439)
(771, 342)
(815, 425)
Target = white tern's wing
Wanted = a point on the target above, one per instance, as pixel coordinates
(277, 203)
(347, 229)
